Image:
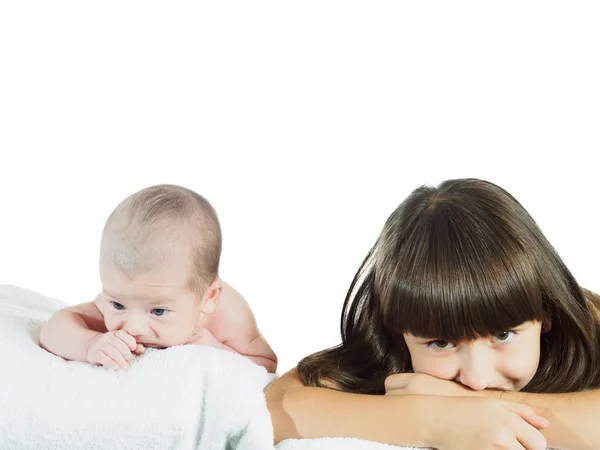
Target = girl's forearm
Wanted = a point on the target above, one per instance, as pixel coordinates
(307, 412)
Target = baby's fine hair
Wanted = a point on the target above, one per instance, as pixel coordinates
(149, 226)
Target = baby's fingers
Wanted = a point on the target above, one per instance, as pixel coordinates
(114, 354)
(127, 339)
(122, 347)
(139, 350)
(105, 361)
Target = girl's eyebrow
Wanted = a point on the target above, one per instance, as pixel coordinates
(426, 340)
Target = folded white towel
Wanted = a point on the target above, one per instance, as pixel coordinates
(186, 397)
(336, 444)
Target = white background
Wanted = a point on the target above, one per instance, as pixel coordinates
(304, 125)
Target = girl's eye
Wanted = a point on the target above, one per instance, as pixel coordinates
(159, 312)
(504, 336)
(117, 306)
(440, 345)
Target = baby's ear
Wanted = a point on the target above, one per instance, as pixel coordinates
(210, 299)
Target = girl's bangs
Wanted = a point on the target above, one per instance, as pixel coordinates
(462, 291)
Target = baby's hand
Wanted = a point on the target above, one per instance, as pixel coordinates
(113, 349)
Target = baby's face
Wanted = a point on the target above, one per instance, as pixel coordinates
(155, 307)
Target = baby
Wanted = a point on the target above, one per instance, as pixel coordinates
(159, 262)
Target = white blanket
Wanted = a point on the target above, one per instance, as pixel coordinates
(335, 444)
(187, 397)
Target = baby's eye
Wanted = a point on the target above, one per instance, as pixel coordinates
(159, 312)
(504, 336)
(440, 345)
(117, 306)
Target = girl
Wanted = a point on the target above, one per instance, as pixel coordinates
(465, 299)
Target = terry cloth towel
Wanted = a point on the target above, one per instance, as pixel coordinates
(185, 397)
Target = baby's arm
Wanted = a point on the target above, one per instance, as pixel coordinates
(234, 325)
(69, 331)
(78, 333)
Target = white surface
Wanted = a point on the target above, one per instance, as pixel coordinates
(336, 444)
(305, 124)
(188, 397)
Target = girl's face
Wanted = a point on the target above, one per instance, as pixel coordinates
(507, 361)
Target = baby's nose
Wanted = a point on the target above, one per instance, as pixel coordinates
(136, 327)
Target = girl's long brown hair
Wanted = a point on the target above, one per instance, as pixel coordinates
(457, 262)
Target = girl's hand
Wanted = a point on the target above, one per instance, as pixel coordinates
(474, 423)
(420, 383)
(493, 424)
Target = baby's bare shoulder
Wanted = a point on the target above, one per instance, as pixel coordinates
(91, 315)
(233, 316)
(231, 298)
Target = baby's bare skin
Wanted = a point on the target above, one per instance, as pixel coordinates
(159, 261)
(154, 309)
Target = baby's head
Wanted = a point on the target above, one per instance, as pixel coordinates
(159, 262)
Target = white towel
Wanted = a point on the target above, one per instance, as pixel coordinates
(336, 444)
(186, 397)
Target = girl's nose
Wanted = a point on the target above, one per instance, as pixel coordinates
(476, 370)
